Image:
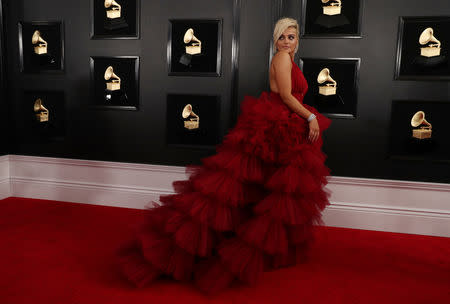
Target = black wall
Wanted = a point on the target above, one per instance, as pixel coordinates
(356, 148)
(4, 126)
(360, 147)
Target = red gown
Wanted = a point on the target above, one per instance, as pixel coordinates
(249, 208)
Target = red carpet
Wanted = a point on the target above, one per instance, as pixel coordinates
(63, 253)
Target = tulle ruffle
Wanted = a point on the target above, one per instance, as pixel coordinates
(249, 208)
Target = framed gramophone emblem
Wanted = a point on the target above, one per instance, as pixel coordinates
(194, 47)
(115, 19)
(115, 82)
(193, 120)
(331, 18)
(332, 85)
(421, 127)
(419, 130)
(44, 115)
(41, 46)
(423, 46)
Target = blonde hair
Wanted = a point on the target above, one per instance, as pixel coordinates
(280, 27)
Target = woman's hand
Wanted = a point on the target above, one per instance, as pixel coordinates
(314, 130)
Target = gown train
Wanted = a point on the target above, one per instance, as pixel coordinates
(249, 208)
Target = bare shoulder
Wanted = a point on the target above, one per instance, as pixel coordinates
(281, 59)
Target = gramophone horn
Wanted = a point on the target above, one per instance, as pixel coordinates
(419, 119)
(108, 4)
(109, 73)
(37, 38)
(427, 36)
(187, 110)
(38, 105)
(189, 36)
(323, 75)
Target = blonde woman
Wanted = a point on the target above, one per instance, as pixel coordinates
(251, 206)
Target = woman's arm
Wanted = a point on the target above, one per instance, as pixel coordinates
(282, 68)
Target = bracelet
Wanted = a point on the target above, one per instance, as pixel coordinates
(311, 117)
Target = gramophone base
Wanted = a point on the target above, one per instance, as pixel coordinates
(429, 62)
(328, 21)
(40, 50)
(191, 125)
(117, 97)
(42, 117)
(327, 91)
(115, 24)
(193, 49)
(430, 51)
(421, 134)
(331, 10)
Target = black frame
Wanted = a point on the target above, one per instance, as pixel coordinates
(176, 135)
(235, 61)
(120, 35)
(53, 130)
(310, 97)
(134, 106)
(406, 24)
(24, 68)
(314, 32)
(425, 150)
(175, 69)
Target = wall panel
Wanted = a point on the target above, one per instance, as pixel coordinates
(355, 147)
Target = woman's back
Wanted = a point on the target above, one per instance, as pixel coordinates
(298, 81)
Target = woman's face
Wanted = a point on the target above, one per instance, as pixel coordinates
(288, 41)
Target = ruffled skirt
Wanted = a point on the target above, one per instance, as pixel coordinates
(249, 208)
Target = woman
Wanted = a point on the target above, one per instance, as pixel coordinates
(250, 207)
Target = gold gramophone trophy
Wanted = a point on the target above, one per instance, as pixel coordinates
(193, 121)
(193, 44)
(40, 45)
(327, 85)
(332, 7)
(114, 10)
(40, 111)
(424, 130)
(112, 80)
(114, 16)
(432, 46)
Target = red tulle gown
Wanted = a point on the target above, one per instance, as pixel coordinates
(249, 208)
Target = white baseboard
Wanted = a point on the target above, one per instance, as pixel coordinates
(389, 205)
(91, 182)
(5, 184)
(384, 205)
